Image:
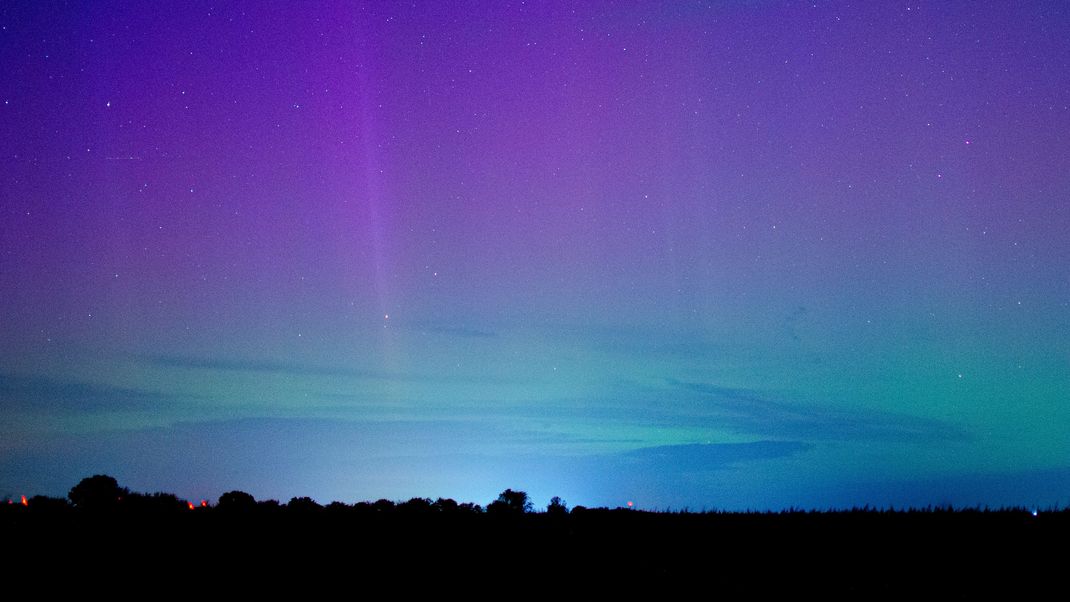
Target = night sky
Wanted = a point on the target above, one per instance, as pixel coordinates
(729, 255)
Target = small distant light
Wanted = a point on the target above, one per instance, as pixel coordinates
(191, 506)
(1034, 512)
(204, 503)
(24, 502)
(631, 504)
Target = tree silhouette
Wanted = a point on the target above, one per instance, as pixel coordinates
(416, 505)
(98, 492)
(383, 505)
(154, 503)
(510, 502)
(557, 507)
(236, 501)
(43, 503)
(337, 508)
(445, 505)
(303, 505)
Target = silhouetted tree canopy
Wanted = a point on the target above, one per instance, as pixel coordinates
(338, 507)
(98, 492)
(510, 502)
(445, 505)
(49, 504)
(303, 504)
(416, 505)
(268, 506)
(236, 501)
(383, 505)
(154, 503)
(557, 507)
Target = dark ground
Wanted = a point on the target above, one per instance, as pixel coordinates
(931, 554)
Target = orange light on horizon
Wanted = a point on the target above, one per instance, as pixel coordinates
(24, 502)
(191, 506)
(204, 503)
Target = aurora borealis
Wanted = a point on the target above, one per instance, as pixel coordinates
(707, 255)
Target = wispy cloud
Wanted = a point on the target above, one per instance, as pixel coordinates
(309, 370)
(748, 411)
(712, 455)
(52, 394)
(247, 365)
(447, 330)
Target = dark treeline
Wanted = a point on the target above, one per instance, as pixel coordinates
(939, 551)
(102, 495)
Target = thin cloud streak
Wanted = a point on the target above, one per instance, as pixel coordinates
(306, 370)
(746, 411)
(41, 393)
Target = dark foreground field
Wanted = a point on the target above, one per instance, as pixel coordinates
(960, 554)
